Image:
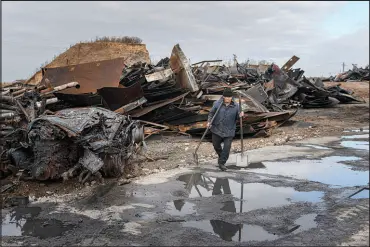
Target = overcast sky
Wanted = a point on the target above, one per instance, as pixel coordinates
(322, 34)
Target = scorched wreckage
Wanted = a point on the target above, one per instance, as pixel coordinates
(91, 119)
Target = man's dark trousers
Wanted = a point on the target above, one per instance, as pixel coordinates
(223, 153)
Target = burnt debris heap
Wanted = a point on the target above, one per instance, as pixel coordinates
(90, 120)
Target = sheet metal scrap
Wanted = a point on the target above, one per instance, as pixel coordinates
(99, 140)
(181, 67)
(290, 63)
(344, 96)
(292, 89)
(356, 74)
(114, 98)
(157, 83)
(91, 76)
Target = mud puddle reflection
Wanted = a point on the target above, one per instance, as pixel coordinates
(327, 170)
(247, 232)
(21, 221)
(232, 232)
(180, 208)
(362, 145)
(364, 193)
(356, 144)
(304, 223)
(249, 196)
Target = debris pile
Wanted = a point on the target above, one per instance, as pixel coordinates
(91, 119)
(354, 74)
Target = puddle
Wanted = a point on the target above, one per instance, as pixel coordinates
(305, 223)
(257, 196)
(21, 222)
(146, 215)
(250, 196)
(327, 170)
(357, 130)
(365, 136)
(363, 145)
(180, 208)
(317, 147)
(255, 165)
(364, 193)
(232, 232)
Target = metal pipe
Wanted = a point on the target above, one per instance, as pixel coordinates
(12, 89)
(19, 92)
(62, 87)
(7, 111)
(9, 99)
(23, 110)
(38, 88)
(8, 107)
(5, 92)
(48, 102)
(7, 115)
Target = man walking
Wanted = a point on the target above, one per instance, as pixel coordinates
(224, 125)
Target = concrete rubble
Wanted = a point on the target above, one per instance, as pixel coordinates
(91, 120)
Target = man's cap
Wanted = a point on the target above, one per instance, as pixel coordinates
(227, 92)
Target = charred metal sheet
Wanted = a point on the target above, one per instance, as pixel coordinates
(75, 120)
(146, 110)
(289, 64)
(80, 100)
(131, 106)
(189, 120)
(91, 76)
(116, 97)
(258, 93)
(295, 74)
(168, 114)
(165, 93)
(181, 67)
(160, 75)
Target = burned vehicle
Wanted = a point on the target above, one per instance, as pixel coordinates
(93, 141)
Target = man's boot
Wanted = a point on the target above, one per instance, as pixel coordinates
(222, 167)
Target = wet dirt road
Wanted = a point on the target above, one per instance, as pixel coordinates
(311, 192)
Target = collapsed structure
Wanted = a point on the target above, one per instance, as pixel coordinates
(354, 74)
(91, 118)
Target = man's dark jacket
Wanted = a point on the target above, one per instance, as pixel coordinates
(224, 124)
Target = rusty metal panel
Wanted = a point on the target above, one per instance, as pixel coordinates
(116, 97)
(289, 64)
(90, 76)
(181, 67)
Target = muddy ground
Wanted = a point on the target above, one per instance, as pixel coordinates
(176, 151)
(301, 193)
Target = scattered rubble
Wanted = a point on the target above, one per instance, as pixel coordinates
(91, 119)
(354, 74)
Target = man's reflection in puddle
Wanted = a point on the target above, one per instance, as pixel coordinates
(221, 186)
(224, 229)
